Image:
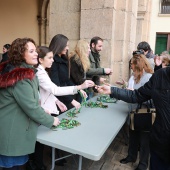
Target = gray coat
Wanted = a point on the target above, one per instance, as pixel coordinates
(95, 68)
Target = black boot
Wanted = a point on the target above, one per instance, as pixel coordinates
(30, 165)
(127, 160)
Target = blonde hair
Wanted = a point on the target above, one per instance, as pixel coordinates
(165, 59)
(81, 54)
(140, 64)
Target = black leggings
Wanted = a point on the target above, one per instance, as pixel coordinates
(12, 168)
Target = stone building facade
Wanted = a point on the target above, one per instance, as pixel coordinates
(121, 23)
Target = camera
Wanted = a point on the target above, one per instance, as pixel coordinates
(138, 52)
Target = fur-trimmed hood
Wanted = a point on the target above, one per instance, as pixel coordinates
(10, 75)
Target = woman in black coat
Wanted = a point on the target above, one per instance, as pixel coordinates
(59, 72)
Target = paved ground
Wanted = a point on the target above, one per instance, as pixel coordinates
(110, 160)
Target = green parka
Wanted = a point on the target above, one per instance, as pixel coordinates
(20, 111)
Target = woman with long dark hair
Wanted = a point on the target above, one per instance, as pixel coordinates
(59, 72)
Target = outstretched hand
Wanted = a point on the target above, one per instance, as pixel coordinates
(105, 89)
(122, 83)
(86, 84)
(158, 60)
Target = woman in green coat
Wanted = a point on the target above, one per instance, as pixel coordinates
(20, 110)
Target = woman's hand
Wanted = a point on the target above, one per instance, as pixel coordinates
(85, 85)
(61, 105)
(47, 111)
(123, 83)
(56, 121)
(108, 71)
(83, 93)
(157, 60)
(105, 89)
(76, 104)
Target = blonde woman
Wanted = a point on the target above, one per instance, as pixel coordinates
(162, 61)
(79, 63)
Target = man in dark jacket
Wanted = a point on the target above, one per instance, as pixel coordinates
(96, 45)
(157, 89)
(95, 71)
(147, 52)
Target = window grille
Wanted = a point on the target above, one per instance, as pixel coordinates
(165, 6)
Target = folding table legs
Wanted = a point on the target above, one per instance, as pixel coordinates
(53, 158)
(80, 162)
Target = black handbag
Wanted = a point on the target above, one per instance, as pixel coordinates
(142, 119)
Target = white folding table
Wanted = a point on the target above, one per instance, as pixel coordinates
(91, 139)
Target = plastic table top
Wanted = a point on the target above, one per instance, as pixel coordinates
(98, 128)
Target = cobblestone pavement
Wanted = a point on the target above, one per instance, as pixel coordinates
(109, 161)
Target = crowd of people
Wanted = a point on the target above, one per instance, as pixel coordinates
(39, 83)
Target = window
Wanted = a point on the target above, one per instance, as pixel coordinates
(162, 43)
(165, 6)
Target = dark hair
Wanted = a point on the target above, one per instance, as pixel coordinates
(144, 46)
(95, 40)
(42, 51)
(138, 52)
(7, 46)
(58, 43)
(17, 50)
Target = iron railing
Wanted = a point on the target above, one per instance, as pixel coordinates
(165, 6)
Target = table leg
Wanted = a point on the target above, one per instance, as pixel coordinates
(80, 162)
(53, 159)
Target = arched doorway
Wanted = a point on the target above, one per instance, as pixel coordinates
(43, 21)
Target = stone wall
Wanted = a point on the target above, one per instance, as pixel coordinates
(65, 19)
(113, 20)
(143, 21)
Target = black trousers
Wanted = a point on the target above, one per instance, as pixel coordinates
(139, 140)
(158, 164)
(37, 156)
(12, 168)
